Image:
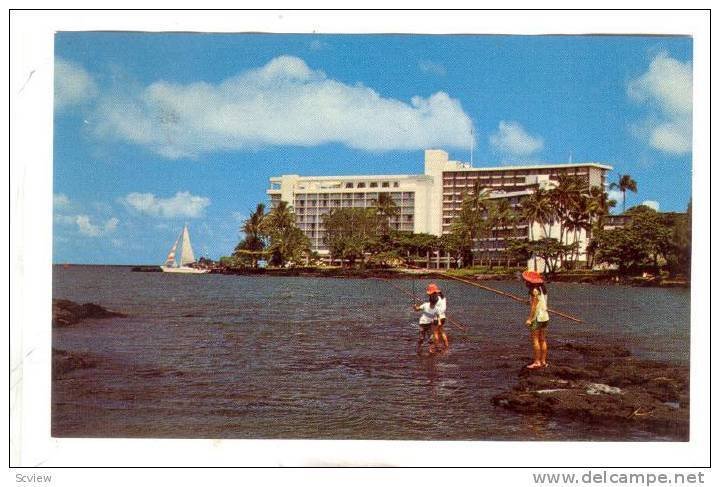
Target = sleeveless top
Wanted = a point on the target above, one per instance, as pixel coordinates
(541, 309)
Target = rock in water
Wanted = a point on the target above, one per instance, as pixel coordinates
(604, 385)
(64, 362)
(65, 312)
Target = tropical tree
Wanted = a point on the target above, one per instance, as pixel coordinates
(564, 199)
(537, 207)
(287, 243)
(599, 205)
(625, 183)
(644, 242)
(503, 216)
(552, 252)
(350, 233)
(577, 220)
(252, 246)
(385, 210)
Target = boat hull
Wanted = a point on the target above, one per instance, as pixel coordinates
(184, 270)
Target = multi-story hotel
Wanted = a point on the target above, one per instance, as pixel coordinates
(428, 203)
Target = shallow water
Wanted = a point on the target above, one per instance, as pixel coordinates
(214, 356)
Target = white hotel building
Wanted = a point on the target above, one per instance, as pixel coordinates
(427, 202)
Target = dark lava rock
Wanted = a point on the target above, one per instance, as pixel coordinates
(65, 313)
(64, 362)
(604, 385)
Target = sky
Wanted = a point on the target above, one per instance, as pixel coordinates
(153, 131)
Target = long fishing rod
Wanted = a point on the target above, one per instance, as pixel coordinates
(501, 293)
(412, 295)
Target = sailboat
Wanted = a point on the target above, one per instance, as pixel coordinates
(186, 257)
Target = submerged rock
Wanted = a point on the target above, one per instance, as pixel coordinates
(604, 384)
(64, 362)
(65, 312)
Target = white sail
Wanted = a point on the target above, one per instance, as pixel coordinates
(170, 260)
(186, 254)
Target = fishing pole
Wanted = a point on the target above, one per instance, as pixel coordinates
(404, 291)
(502, 293)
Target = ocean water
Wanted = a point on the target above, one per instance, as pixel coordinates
(215, 356)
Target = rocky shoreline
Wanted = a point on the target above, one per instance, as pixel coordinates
(66, 313)
(604, 385)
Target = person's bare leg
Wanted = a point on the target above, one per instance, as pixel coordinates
(543, 347)
(421, 339)
(444, 336)
(535, 338)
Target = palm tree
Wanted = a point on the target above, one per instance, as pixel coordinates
(625, 183)
(287, 241)
(599, 205)
(564, 198)
(385, 209)
(578, 219)
(478, 205)
(504, 217)
(537, 208)
(254, 241)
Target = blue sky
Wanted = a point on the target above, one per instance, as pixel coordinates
(156, 130)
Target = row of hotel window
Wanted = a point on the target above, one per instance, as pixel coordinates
(372, 184)
(311, 219)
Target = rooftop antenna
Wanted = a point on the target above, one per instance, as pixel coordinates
(570, 158)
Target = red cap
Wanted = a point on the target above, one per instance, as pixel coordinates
(432, 289)
(533, 277)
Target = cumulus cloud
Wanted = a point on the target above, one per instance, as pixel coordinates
(284, 102)
(183, 204)
(60, 200)
(512, 139)
(431, 67)
(87, 228)
(666, 89)
(73, 84)
(652, 204)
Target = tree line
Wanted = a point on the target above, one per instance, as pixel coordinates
(545, 225)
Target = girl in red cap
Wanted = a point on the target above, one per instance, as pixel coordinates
(538, 319)
(430, 313)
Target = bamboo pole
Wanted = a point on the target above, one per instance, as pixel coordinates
(503, 293)
(415, 298)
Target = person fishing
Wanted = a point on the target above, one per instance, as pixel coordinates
(429, 315)
(538, 319)
(439, 328)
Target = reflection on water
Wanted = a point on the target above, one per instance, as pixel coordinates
(256, 357)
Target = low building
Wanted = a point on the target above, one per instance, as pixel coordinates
(429, 202)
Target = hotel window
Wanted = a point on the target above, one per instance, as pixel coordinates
(348, 185)
(385, 184)
(373, 185)
(396, 184)
(360, 185)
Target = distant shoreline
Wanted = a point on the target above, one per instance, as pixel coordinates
(402, 273)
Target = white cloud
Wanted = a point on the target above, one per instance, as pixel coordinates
(73, 85)
(652, 204)
(666, 88)
(60, 200)
(512, 139)
(183, 204)
(431, 67)
(282, 103)
(87, 228)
